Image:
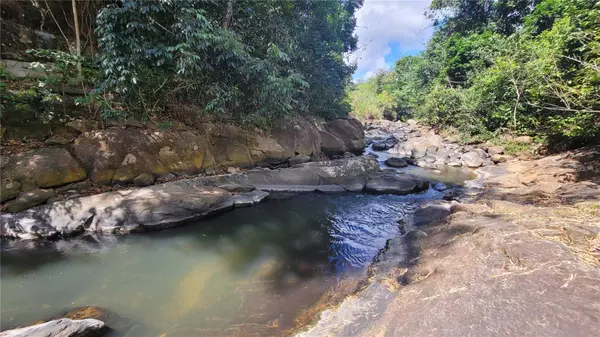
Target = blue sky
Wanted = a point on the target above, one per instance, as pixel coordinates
(388, 30)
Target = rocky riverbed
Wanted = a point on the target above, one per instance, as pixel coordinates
(411, 143)
(518, 254)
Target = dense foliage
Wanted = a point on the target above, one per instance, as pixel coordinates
(530, 66)
(256, 61)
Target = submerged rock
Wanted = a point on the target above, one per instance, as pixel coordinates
(396, 162)
(63, 327)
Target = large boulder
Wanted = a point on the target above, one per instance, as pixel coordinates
(349, 133)
(299, 137)
(394, 183)
(472, 159)
(9, 190)
(44, 167)
(63, 327)
(28, 199)
(120, 155)
(339, 175)
(124, 211)
(396, 162)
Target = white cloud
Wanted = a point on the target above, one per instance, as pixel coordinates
(381, 22)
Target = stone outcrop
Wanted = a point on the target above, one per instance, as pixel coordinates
(44, 167)
(342, 135)
(63, 327)
(173, 203)
(125, 151)
(426, 149)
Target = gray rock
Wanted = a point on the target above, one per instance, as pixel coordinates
(472, 159)
(394, 183)
(373, 154)
(28, 199)
(348, 155)
(381, 146)
(169, 204)
(153, 207)
(144, 179)
(249, 198)
(9, 190)
(300, 159)
(396, 162)
(492, 150)
(63, 327)
(417, 153)
(482, 153)
(237, 188)
(430, 213)
(429, 159)
(431, 149)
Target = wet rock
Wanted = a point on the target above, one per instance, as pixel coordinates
(492, 150)
(348, 155)
(417, 153)
(299, 159)
(396, 162)
(157, 206)
(382, 146)
(63, 327)
(172, 203)
(430, 213)
(250, 198)
(372, 154)
(472, 159)
(237, 188)
(28, 199)
(45, 167)
(9, 190)
(394, 183)
(111, 319)
(144, 179)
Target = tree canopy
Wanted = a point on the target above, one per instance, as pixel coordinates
(530, 66)
(253, 60)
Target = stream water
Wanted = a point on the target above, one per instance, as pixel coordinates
(245, 273)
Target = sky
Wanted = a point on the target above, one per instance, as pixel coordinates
(388, 30)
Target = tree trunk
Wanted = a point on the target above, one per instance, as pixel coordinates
(228, 15)
(77, 37)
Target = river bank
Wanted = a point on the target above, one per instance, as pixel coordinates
(518, 253)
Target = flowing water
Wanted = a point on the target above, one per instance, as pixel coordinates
(244, 273)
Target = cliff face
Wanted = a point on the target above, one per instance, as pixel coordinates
(123, 152)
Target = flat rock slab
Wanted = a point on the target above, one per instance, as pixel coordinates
(394, 183)
(169, 204)
(60, 328)
(155, 207)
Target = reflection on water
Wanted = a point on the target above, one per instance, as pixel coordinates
(246, 272)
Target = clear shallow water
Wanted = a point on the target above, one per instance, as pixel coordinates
(445, 174)
(244, 273)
